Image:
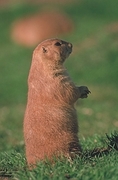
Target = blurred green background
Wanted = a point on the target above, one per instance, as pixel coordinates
(94, 63)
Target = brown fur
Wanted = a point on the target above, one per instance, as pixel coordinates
(50, 123)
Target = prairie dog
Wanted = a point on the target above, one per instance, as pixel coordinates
(50, 122)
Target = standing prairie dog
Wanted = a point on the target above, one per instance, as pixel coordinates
(50, 123)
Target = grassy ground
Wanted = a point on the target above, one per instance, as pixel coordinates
(94, 63)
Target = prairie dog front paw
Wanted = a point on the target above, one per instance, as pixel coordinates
(84, 91)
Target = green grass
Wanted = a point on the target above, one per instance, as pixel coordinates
(94, 63)
(91, 165)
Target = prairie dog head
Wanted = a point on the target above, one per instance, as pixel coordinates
(52, 51)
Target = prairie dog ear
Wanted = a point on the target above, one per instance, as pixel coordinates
(44, 49)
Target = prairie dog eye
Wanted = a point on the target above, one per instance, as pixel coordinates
(58, 44)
